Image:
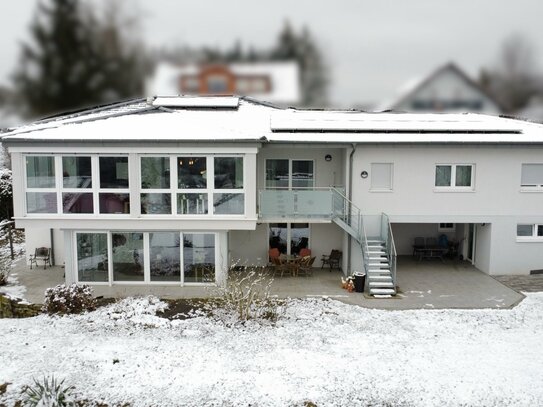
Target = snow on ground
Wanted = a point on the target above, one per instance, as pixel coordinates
(323, 351)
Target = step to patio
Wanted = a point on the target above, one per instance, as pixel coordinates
(382, 284)
(379, 278)
(382, 291)
(379, 265)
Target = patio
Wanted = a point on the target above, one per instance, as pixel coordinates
(427, 284)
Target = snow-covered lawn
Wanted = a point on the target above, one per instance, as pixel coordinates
(322, 351)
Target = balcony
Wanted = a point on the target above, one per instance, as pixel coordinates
(312, 204)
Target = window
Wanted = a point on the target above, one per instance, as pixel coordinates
(446, 227)
(192, 184)
(77, 193)
(155, 181)
(381, 176)
(530, 232)
(291, 174)
(289, 238)
(114, 195)
(228, 180)
(454, 176)
(41, 195)
(217, 84)
(92, 257)
(150, 257)
(532, 176)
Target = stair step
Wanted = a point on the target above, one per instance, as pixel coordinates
(381, 284)
(379, 270)
(382, 291)
(375, 241)
(379, 265)
(379, 259)
(376, 252)
(379, 278)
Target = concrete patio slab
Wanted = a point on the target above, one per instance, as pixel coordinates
(428, 284)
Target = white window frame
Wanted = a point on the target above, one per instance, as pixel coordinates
(147, 260)
(532, 187)
(533, 238)
(92, 190)
(171, 190)
(113, 190)
(391, 189)
(453, 187)
(54, 190)
(290, 160)
(446, 229)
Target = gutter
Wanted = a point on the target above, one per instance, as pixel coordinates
(350, 196)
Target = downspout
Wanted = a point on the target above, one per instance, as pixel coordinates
(350, 196)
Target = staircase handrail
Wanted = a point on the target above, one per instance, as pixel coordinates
(391, 250)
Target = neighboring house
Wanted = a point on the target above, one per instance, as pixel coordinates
(447, 89)
(274, 82)
(173, 190)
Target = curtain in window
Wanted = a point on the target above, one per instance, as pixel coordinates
(443, 176)
(463, 175)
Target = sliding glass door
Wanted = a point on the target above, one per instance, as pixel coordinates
(289, 174)
(289, 238)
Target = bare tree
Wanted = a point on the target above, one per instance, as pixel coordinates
(515, 79)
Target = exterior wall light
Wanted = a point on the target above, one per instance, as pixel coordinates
(328, 157)
(364, 174)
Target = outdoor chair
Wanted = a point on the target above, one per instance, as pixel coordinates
(305, 252)
(41, 254)
(273, 253)
(418, 245)
(333, 259)
(431, 242)
(306, 266)
(279, 266)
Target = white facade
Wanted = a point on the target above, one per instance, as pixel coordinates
(267, 174)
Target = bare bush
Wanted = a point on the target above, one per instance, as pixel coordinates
(247, 294)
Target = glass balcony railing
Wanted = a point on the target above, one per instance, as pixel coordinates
(317, 203)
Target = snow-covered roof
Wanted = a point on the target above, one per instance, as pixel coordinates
(283, 76)
(415, 87)
(241, 119)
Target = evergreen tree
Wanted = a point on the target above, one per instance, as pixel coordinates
(73, 61)
(303, 49)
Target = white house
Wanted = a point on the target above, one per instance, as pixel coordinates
(276, 82)
(447, 89)
(172, 190)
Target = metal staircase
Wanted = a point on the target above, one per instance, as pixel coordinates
(378, 252)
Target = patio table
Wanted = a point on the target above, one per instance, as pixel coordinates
(430, 252)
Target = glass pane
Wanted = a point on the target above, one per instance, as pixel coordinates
(277, 174)
(76, 172)
(199, 258)
(113, 172)
(191, 172)
(228, 172)
(539, 230)
(114, 203)
(127, 256)
(463, 175)
(229, 204)
(155, 172)
(278, 237)
(77, 203)
(92, 262)
(164, 254)
(41, 202)
(302, 174)
(443, 176)
(195, 204)
(156, 204)
(299, 235)
(40, 172)
(524, 230)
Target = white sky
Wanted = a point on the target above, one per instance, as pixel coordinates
(372, 47)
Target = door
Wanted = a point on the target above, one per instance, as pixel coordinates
(289, 174)
(288, 238)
